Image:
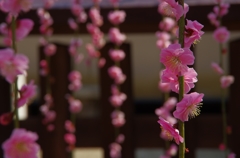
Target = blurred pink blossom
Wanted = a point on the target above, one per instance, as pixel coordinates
(72, 24)
(116, 54)
(95, 16)
(69, 126)
(118, 118)
(21, 144)
(116, 36)
(12, 65)
(6, 118)
(117, 17)
(15, 6)
(50, 49)
(117, 100)
(226, 81)
(70, 138)
(26, 92)
(217, 68)
(221, 34)
(167, 24)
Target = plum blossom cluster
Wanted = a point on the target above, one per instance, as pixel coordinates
(116, 17)
(177, 59)
(97, 35)
(49, 115)
(221, 35)
(80, 16)
(23, 27)
(75, 106)
(21, 143)
(165, 113)
(49, 49)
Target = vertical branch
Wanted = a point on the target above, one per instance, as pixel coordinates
(15, 85)
(181, 25)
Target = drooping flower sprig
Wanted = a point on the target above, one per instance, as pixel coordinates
(49, 50)
(97, 35)
(117, 17)
(176, 58)
(13, 64)
(74, 77)
(221, 35)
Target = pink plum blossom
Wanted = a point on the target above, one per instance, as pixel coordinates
(21, 144)
(6, 118)
(213, 19)
(116, 36)
(120, 138)
(72, 24)
(167, 24)
(70, 138)
(217, 68)
(221, 34)
(188, 106)
(222, 9)
(12, 65)
(170, 103)
(50, 116)
(117, 54)
(24, 26)
(50, 49)
(116, 17)
(15, 6)
(69, 126)
(118, 118)
(231, 155)
(176, 58)
(226, 81)
(172, 150)
(193, 32)
(75, 105)
(101, 62)
(117, 100)
(171, 78)
(26, 93)
(115, 150)
(172, 9)
(169, 132)
(92, 52)
(95, 16)
(164, 87)
(116, 74)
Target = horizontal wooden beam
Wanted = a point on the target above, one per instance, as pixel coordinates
(138, 20)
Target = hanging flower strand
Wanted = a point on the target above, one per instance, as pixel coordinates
(13, 64)
(97, 35)
(117, 17)
(221, 35)
(49, 50)
(74, 77)
(176, 58)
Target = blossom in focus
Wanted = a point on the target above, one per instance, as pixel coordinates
(217, 68)
(117, 17)
(176, 58)
(15, 6)
(12, 65)
(169, 132)
(26, 93)
(188, 106)
(21, 144)
(190, 77)
(193, 32)
(226, 81)
(221, 34)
